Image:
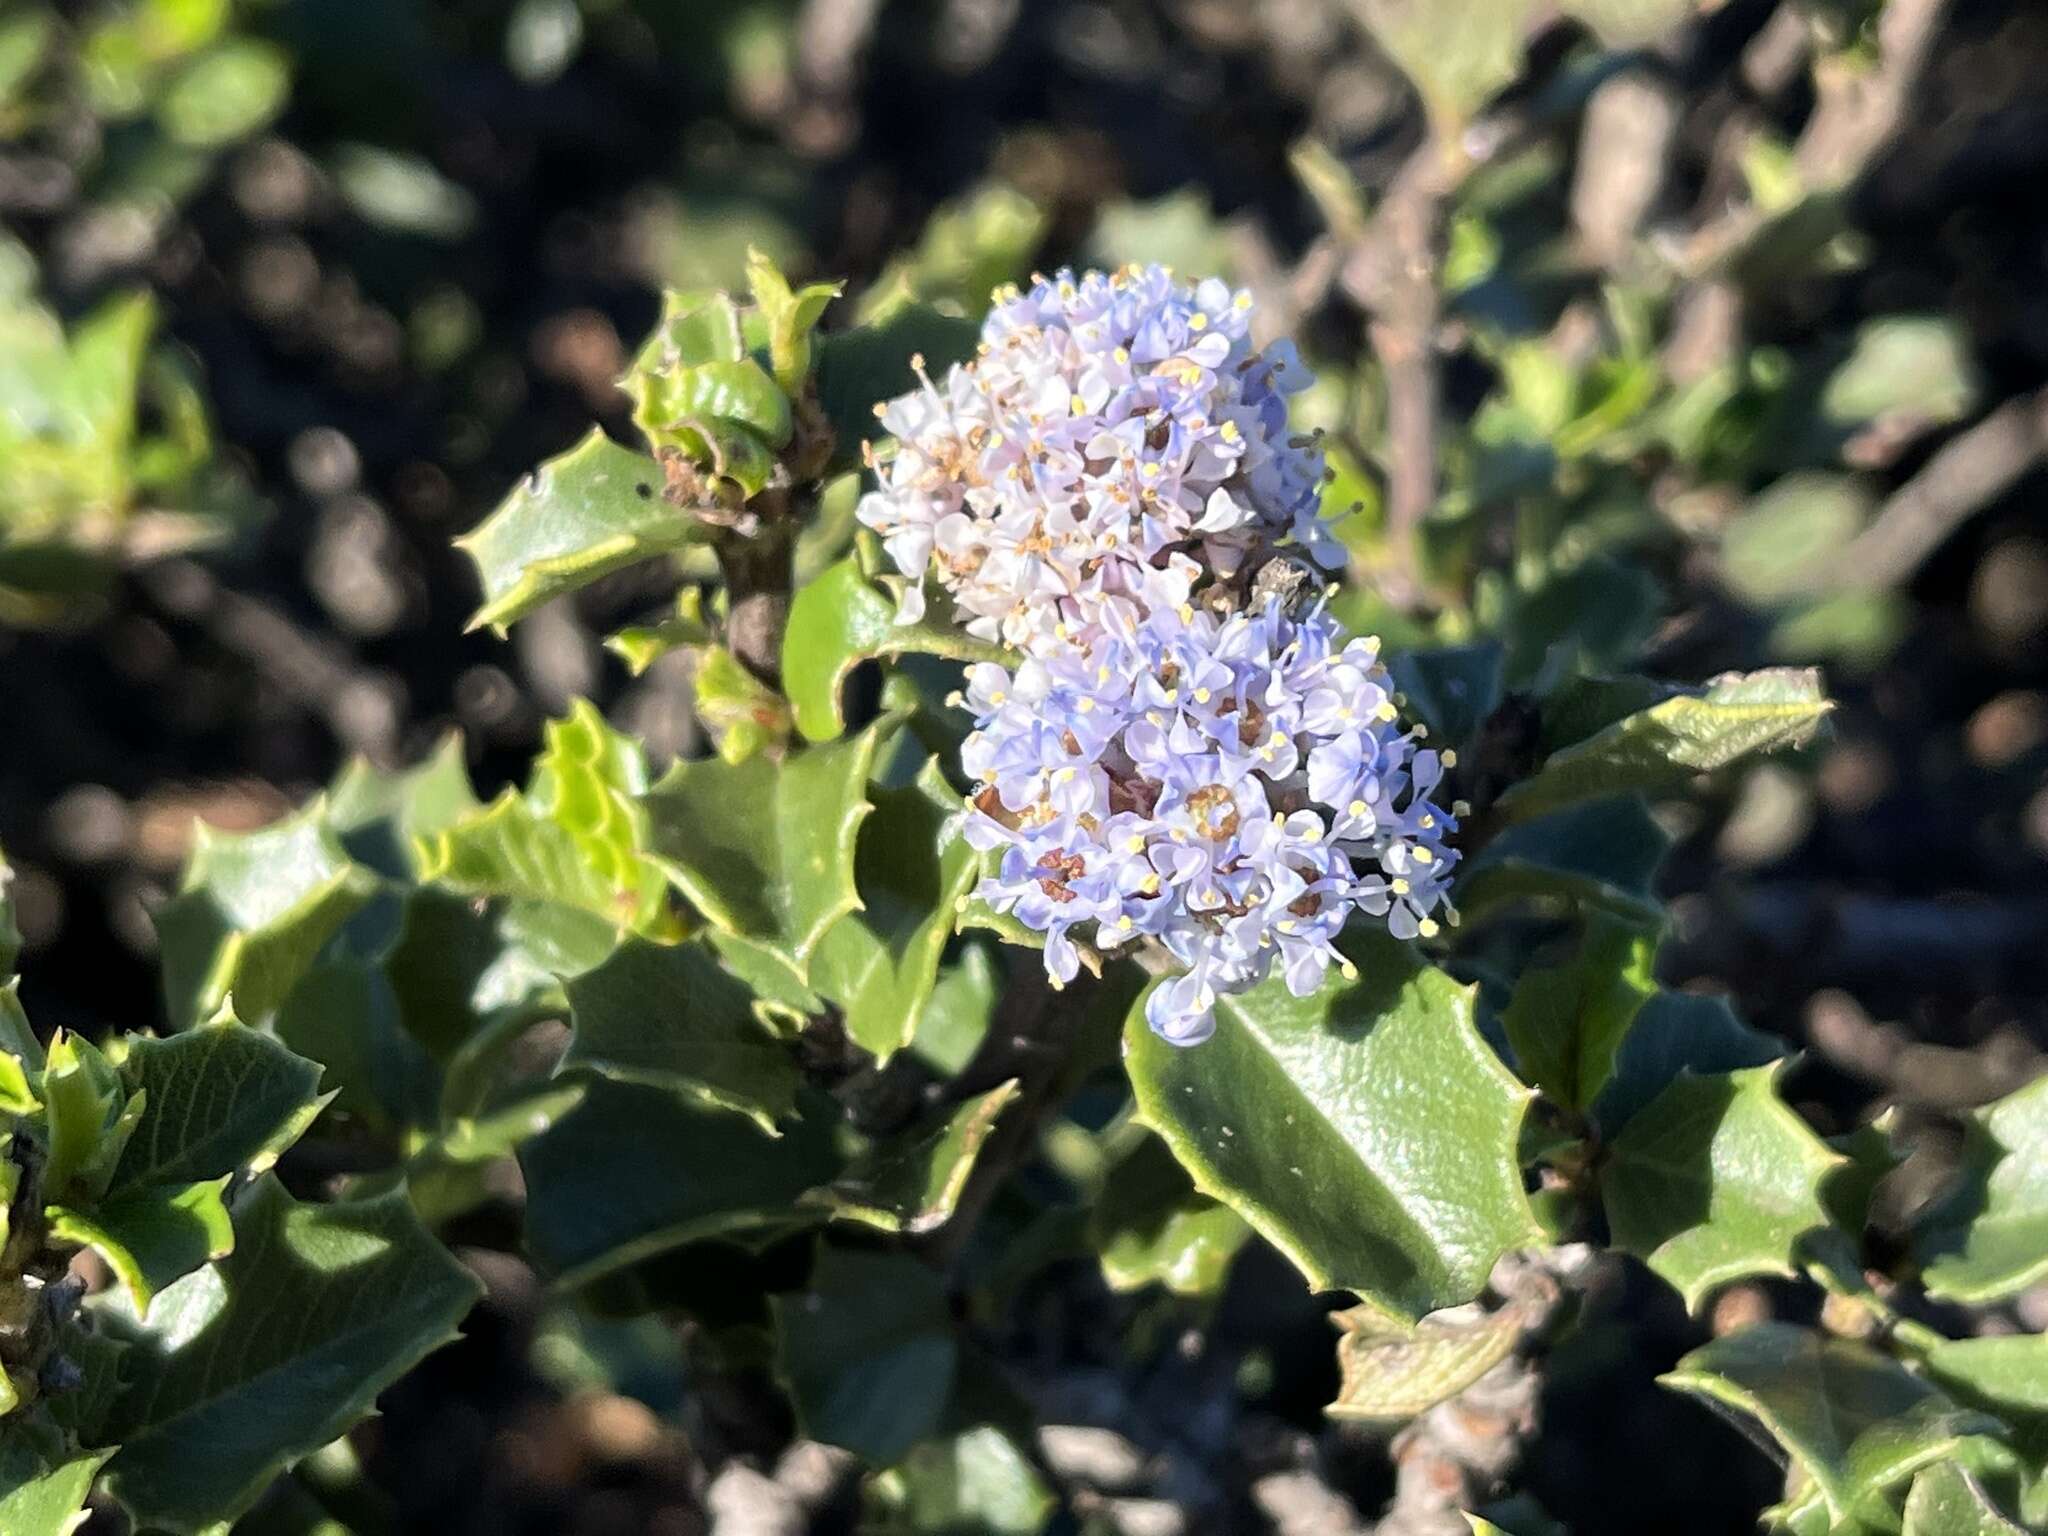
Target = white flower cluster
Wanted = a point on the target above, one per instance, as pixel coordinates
(1117, 436)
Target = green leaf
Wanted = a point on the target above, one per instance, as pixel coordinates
(1716, 1180)
(88, 1117)
(1665, 745)
(912, 1183)
(635, 1171)
(581, 515)
(870, 363)
(1366, 1131)
(911, 867)
(742, 713)
(447, 1176)
(2007, 1376)
(253, 913)
(1567, 1023)
(151, 1237)
(10, 932)
(1913, 366)
(869, 1352)
(1602, 856)
(1787, 542)
(1151, 1226)
(765, 848)
(973, 1484)
(968, 246)
(1450, 690)
(1674, 1033)
(344, 1015)
(38, 1499)
(669, 1016)
(1856, 1422)
(840, 619)
(576, 837)
(253, 1363)
(790, 317)
(962, 1005)
(219, 1100)
(17, 1035)
(1989, 1237)
(1947, 1501)
(225, 94)
(379, 816)
(1392, 1371)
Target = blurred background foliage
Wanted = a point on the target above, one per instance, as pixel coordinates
(1723, 329)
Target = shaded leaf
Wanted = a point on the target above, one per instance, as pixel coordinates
(1716, 1180)
(1366, 1131)
(380, 816)
(588, 512)
(911, 868)
(219, 1100)
(1989, 1236)
(871, 363)
(765, 848)
(252, 914)
(1449, 690)
(10, 932)
(912, 1182)
(1151, 1226)
(634, 1171)
(1393, 1371)
(869, 1352)
(1856, 1422)
(344, 1016)
(1788, 541)
(957, 1015)
(1674, 1033)
(151, 1237)
(1665, 745)
(1567, 1022)
(1602, 855)
(261, 1359)
(669, 1016)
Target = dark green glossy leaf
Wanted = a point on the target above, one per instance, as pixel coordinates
(1665, 745)
(1151, 1226)
(1989, 1237)
(670, 1016)
(1602, 856)
(765, 848)
(1857, 1423)
(869, 1352)
(911, 868)
(344, 1016)
(263, 1358)
(957, 1016)
(870, 363)
(1367, 1131)
(1567, 1023)
(218, 1100)
(253, 913)
(1450, 690)
(912, 1182)
(1677, 1032)
(635, 1171)
(151, 1237)
(1716, 1180)
(1947, 1501)
(582, 515)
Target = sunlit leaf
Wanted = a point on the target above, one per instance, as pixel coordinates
(912, 1182)
(1988, 1237)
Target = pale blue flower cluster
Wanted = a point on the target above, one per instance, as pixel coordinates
(1117, 438)
(1233, 788)
(1230, 786)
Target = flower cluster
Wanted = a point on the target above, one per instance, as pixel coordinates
(1116, 438)
(1231, 787)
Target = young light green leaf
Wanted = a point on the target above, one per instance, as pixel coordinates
(1663, 746)
(670, 1016)
(976, 1482)
(790, 317)
(911, 867)
(88, 1118)
(1151, 1226)
(1367, 1131)
(1716, 1180)
(218, 1100)
(1989, 1237)
(912, 1182)
(1856, 1422)
(584, 514)
(1567, 1022)
(41, 1499)
(253, 913)
(1947, 1501)
(1392, 1371)
(742, 713)
(261, 1359)
(765, 848)
(869, 1352)
(635, 1171)
(150, 1237)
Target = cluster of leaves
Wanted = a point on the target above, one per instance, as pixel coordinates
(107, 455)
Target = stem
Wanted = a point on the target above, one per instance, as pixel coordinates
(759, 567)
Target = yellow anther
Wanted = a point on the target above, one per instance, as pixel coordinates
(1398, 886)
(1386, 711)
(1201, 695)
(1198, 321)
(1427, 928)
(1426, 823)
(1125, 924)
(1135, 842)
(1348, 970)
(997, 697)
(1449, 758)
(1187, 613)
(1077, 405)
(1086, 704)
(1228, 432)
(1424, 856)
(1149, 885)
(1356, 808)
